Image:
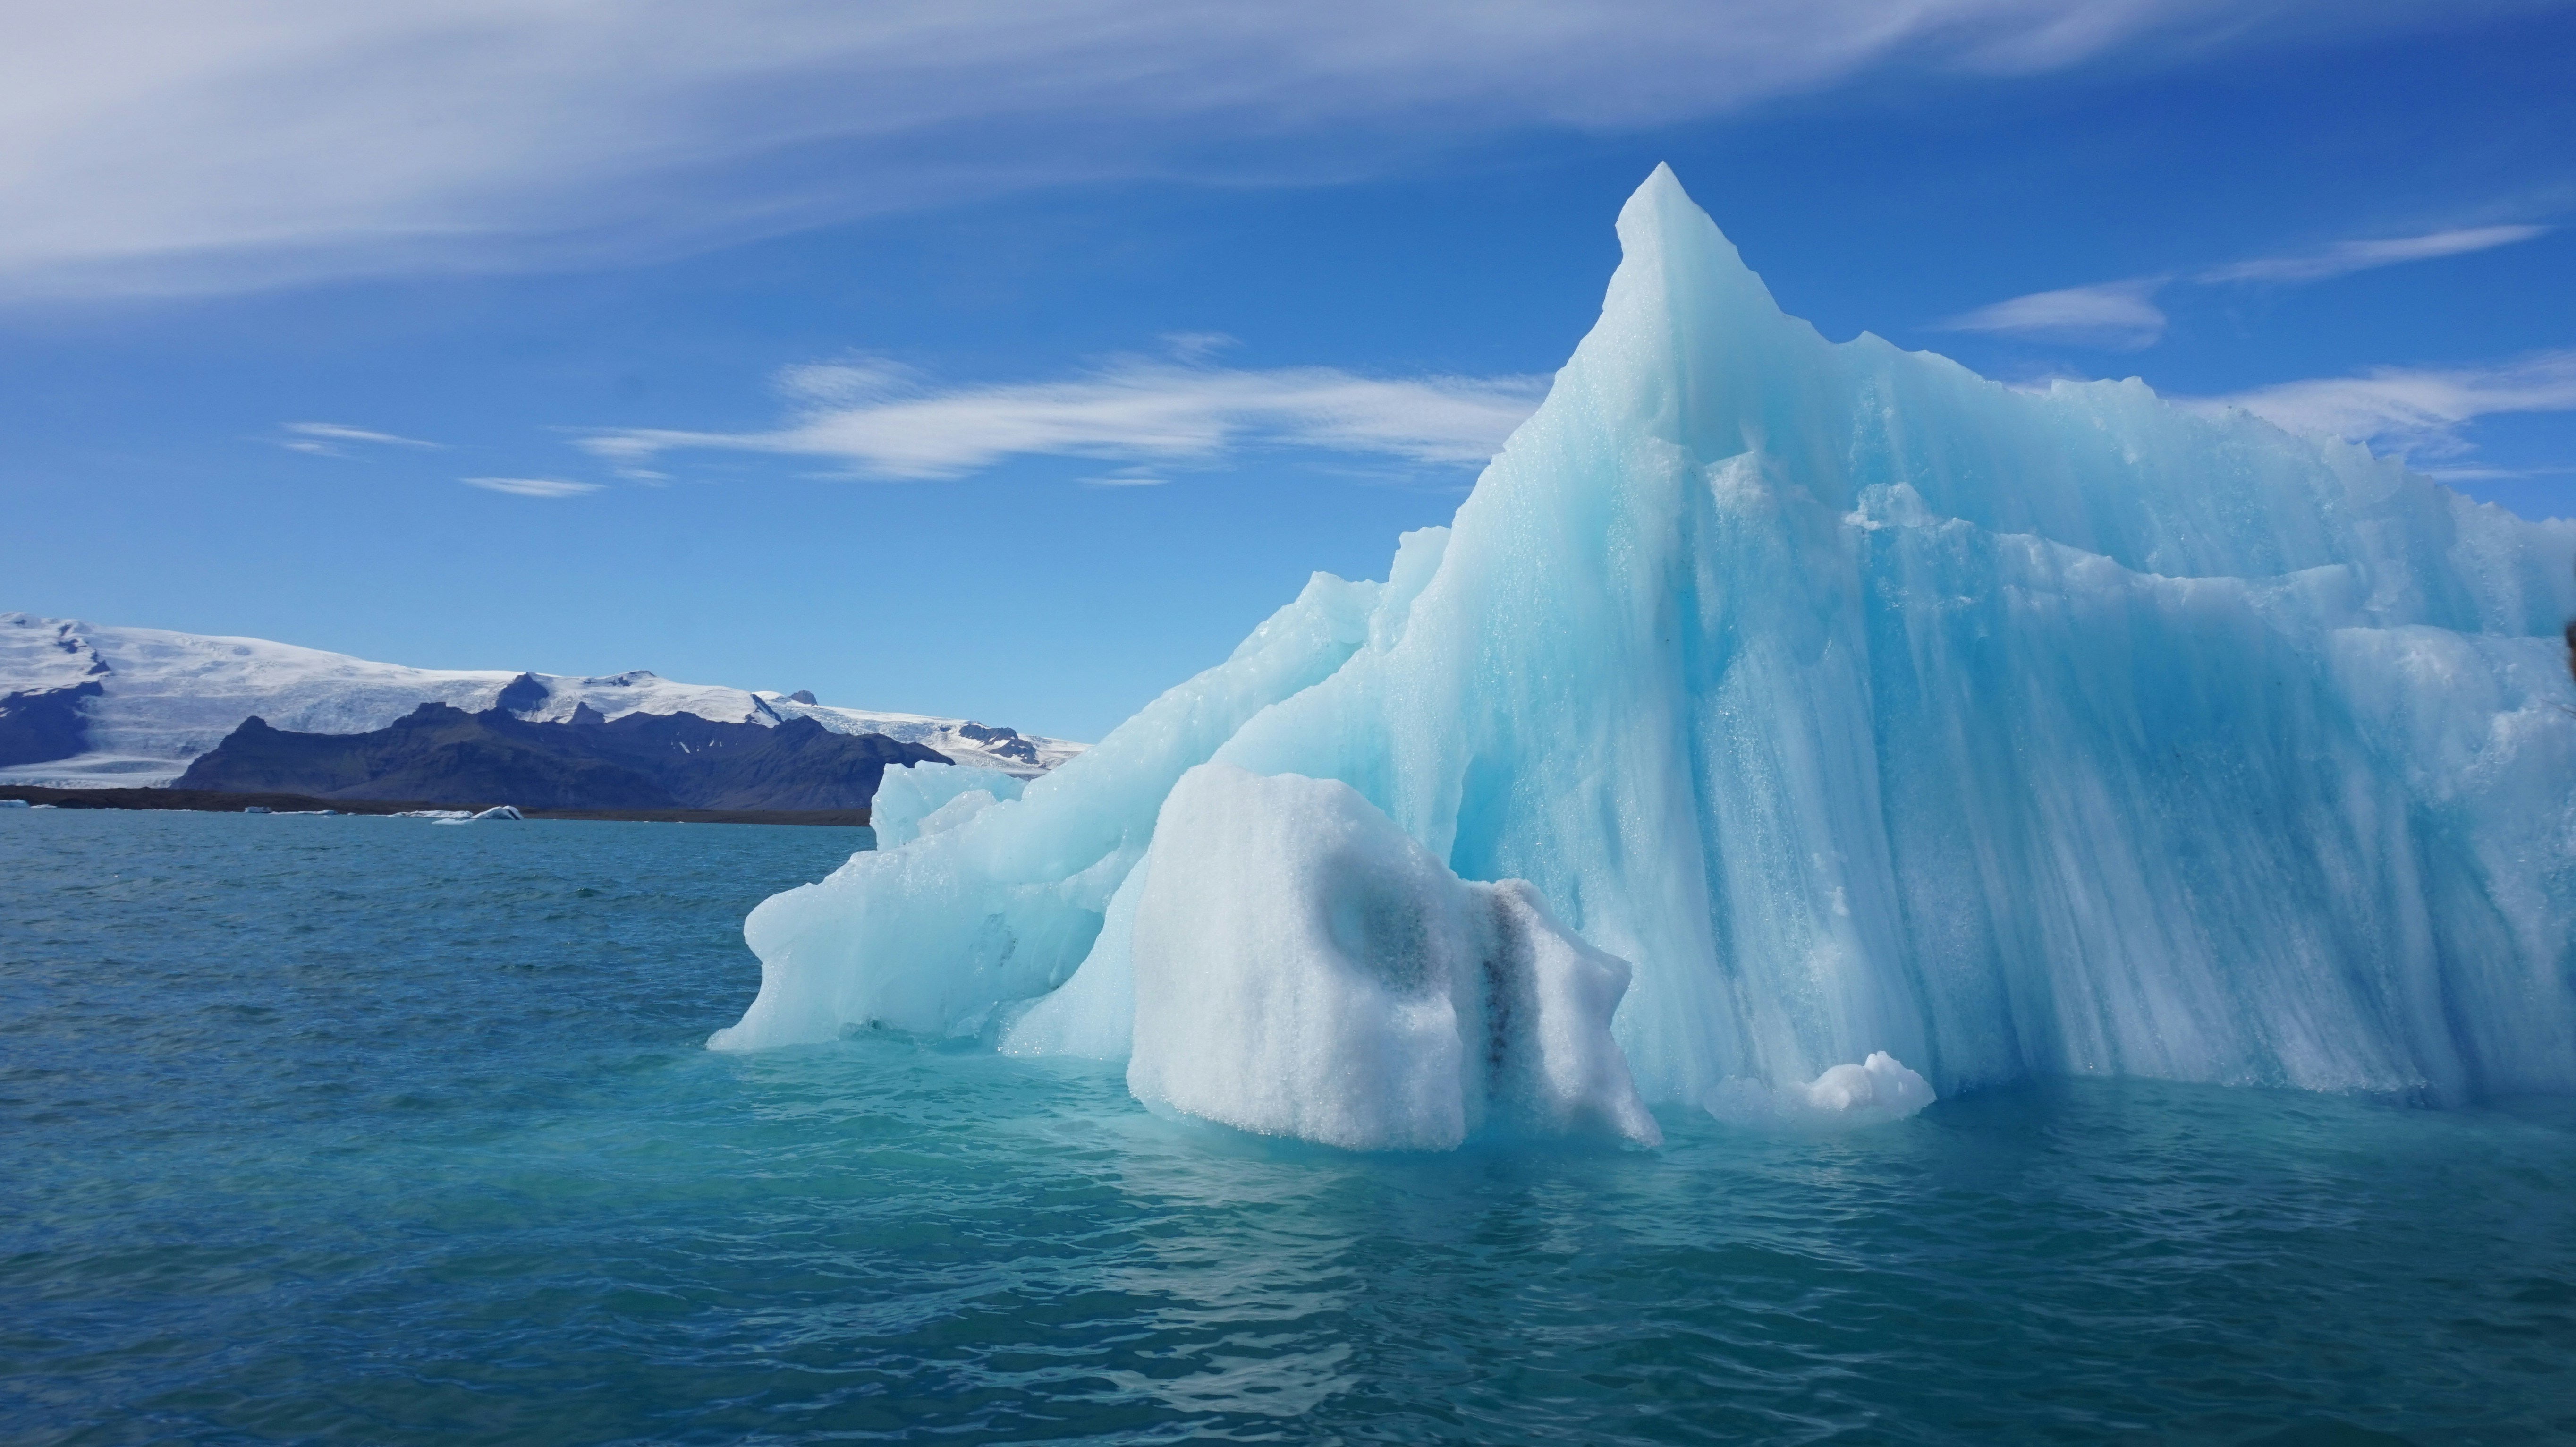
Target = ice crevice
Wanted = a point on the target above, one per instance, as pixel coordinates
(1856, 709)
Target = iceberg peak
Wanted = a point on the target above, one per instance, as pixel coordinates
(1663, 233)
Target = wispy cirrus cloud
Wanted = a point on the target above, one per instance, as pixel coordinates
(2420, 413)
(2124, 315)
(883, 421)
(2121, 315)
(2346, 257)
(1127, 477)
(531, 486)
(154, 146)
(332, 439)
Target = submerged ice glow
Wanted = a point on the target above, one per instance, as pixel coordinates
(1860, 705)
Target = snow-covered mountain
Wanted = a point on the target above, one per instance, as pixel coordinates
(160, 699)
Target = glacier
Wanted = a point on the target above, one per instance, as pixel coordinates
(1860, 709)
(148, 701)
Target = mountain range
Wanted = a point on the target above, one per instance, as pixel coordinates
(641, 761)
(83, 706)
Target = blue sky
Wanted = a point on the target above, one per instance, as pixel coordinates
(1014, 361)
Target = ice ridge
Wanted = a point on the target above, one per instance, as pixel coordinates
(1859, 704)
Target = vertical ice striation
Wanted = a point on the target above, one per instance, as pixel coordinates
(1862, 704)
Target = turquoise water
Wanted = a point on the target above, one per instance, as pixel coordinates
(374, 1130)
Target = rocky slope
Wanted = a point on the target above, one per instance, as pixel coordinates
(640, 761)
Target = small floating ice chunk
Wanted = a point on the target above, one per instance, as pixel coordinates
(1304, 968)
(462, 816)
(1880, 1086)
(1878, 1089)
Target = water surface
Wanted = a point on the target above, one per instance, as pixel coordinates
(368, 1130)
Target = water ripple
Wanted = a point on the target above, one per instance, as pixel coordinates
(361, 1130)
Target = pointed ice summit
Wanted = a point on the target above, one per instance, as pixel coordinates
(1842, 702)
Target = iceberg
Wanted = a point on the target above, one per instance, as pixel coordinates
(1858, 709)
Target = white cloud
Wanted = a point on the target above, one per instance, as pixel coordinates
(883, 422)
(2119, 314)
(2493, 474)
(852, 380)
(531, 486)
(342, 432)
(2123, 315)
(169, 145)
(327, 439)
(2414, 412)
(2346, 257)
(1128, 477)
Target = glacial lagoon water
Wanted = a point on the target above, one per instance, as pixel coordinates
(366, 1130)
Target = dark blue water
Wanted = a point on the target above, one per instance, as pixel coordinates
(381, 1131)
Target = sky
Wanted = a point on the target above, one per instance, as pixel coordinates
(1013, 362)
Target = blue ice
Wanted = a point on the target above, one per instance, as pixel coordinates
(1863, 707)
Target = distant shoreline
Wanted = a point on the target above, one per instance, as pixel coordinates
(214, 802)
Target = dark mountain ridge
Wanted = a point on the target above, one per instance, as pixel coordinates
(40, 725)
(641, 761)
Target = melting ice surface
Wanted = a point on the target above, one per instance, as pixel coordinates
(1302, 967)
(1867, 710)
